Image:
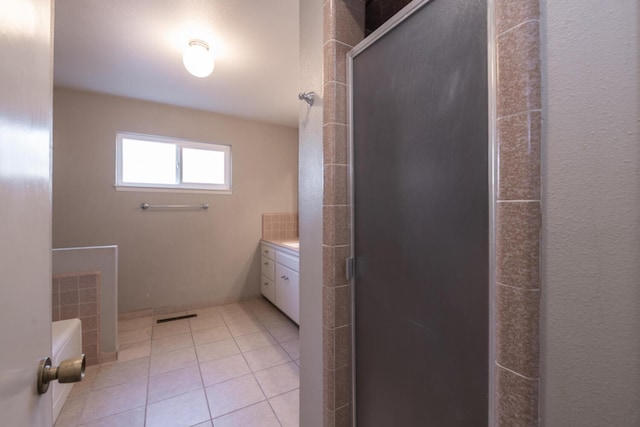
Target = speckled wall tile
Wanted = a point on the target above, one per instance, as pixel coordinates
(518, 211)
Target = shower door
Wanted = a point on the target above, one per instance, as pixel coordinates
(421, 218)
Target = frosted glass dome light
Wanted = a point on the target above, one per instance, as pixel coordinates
(197, 58)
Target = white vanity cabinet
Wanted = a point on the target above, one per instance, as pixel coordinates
(280, 279)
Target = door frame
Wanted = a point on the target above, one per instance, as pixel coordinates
(389, 25)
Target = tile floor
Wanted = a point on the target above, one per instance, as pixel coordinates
(233, 365)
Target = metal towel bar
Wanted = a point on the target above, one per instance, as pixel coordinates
(145, 205)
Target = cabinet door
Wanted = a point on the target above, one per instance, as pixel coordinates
(287, 292)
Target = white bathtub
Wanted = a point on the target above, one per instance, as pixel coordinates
(66, 343)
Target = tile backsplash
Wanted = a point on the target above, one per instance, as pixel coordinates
(77, 295)
(280, 226)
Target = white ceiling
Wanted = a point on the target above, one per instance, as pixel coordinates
(134, 48)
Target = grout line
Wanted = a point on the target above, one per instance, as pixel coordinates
(527, 112)
(204, 388)
(518, 26)
(518, 201)
(515, 373)
(518, 288)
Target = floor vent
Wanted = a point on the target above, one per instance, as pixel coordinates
(171, 319)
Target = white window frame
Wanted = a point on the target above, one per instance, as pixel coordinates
(180, 186)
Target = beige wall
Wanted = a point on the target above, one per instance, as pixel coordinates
(590, 311)
(168, 258)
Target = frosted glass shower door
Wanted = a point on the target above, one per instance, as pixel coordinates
(421, 219)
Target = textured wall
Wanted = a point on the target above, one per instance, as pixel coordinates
(591, 198)
(168, 258)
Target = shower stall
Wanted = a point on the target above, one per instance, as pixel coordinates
(419, 113)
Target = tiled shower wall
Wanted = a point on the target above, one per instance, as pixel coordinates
(518, 217)
(77, 295)
(280, 226)
(343, 29)
(518, 213)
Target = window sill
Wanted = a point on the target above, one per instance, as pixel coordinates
(171, 190)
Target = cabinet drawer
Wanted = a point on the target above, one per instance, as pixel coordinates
(268, 288)
(268, 268)
(287, 260)
(268, 251)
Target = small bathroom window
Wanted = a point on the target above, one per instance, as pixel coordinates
(164, 164)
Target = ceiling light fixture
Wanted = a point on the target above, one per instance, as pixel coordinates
(198, 59)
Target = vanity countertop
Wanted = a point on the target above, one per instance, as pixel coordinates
(293, 245)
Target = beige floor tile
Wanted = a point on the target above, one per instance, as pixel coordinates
(116, 373)
(266, 357)
(279, 379)
(199, 323)
(275, 320)
(292, 348)
(244, 327)
(206, 312)
(134, 350)
(139, 323)
(238, 317)
(132, 418)
(207, 423)
(113, 400)
(72, 409)
(285, 333)
(169, 315)
(210, 335)
(217, 350)
(170, 328)
(225, 369)
(234, 394)
(83, 387)
(255, 340)
(180, 411)
(170, 361)
(67, 422)
(171, 343)
(287, 408)
(134, 335)
(258, 415)
(174, 383)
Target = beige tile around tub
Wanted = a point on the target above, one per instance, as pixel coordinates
(279, 379)
(114, 373)
(171, 343)
(132, 418)
(234, 394)
(174, 383)
(255, 340)
(210, 335)
(287, 408)
(225, 369)
(170, 361)
(184, 410)
(266, 357)
(256, 415)
(113, 400)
